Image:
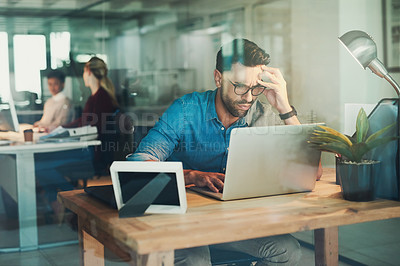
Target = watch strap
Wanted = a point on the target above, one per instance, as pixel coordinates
(288, 115)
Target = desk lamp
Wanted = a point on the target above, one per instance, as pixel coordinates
(363, 48)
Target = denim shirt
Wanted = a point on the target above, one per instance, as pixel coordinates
(191, 132)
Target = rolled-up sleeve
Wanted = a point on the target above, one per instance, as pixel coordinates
(164, 137)
(141, 157)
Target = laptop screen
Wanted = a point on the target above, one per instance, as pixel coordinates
(132, 182)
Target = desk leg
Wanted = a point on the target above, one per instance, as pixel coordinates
(91, 250)
(326, 246)
(26, 193)
(93, 254)
(165, 258)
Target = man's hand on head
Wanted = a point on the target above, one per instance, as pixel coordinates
(214, 181)
(276, 91)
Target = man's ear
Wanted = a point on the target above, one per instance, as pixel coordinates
(218, 78)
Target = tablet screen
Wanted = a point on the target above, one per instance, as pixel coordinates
(132, 182)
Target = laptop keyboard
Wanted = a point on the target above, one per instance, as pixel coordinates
(207, 191)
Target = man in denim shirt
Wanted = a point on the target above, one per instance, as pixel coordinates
(196, 129)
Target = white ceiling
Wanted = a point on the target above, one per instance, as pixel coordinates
(116, 8)
(39, 16)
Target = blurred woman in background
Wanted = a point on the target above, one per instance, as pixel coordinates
(102, 103)
(99, 108)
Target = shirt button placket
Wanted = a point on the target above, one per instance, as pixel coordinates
(226, 153)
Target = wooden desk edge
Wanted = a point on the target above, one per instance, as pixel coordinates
(324, 233)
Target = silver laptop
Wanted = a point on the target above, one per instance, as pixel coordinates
(265, 161)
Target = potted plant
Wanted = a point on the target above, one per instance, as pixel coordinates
(358, 174)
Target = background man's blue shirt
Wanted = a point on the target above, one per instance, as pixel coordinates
(189, 131)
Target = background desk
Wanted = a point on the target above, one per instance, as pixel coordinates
(151, 239)
(18, 179)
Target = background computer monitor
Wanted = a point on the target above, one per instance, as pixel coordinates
(8, 117)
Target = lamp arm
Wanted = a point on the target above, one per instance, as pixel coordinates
(393, 83)
(377, 67)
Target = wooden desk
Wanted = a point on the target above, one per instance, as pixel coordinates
(152, 239)
(17, 177)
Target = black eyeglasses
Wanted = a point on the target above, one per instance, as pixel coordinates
(241, 89)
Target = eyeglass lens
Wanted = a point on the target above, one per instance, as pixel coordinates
(243, 89)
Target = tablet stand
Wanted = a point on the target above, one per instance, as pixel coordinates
(138, 204)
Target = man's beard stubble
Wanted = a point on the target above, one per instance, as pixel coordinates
(230, 106)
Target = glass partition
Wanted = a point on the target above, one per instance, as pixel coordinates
(157, 51)
(4, 68)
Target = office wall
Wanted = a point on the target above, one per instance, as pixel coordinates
(199, 53)
(325, 76)
(358, 85)
(315, 63)
(124, 51)
(179, 45)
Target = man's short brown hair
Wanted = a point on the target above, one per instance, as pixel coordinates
(240, 51)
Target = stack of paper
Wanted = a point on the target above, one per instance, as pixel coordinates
(61, 134)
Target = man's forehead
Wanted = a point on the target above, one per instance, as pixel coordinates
(240, 72)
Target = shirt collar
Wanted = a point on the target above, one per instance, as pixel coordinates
(211, 112)
(240, 122)
(59, 96)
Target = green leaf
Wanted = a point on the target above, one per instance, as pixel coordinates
(362, 126)
(381, 141)
(328, 137)
(359, 150)
(333, 132)
(379, 133)
(351, 148)
(339, 148)
(320, 140)
(352, 139)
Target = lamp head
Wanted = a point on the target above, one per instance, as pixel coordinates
(363, 48)
(360, 45)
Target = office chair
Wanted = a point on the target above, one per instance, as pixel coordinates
(77, 173)
(230, 258)
(116, 143)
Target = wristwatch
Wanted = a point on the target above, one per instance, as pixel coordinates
(288, 115)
